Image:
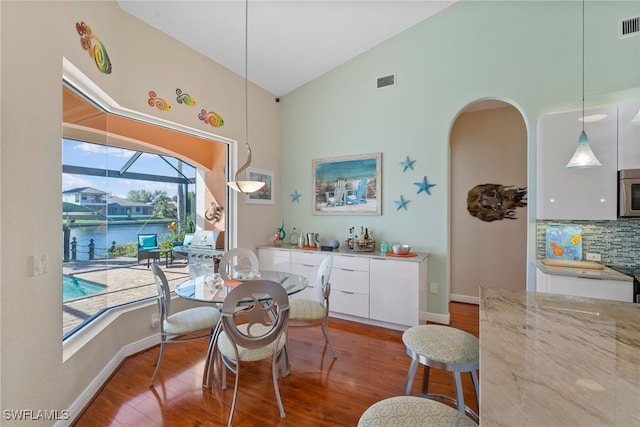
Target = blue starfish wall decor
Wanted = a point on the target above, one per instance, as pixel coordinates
(402, 203)
(407, 164)
(295, 197)
(424, 186)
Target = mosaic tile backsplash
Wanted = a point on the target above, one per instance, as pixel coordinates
(618, 242)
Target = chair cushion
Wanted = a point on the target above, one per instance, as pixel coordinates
(403, 411)
(443, 344)
(191, 320)
(249, 355)
(305, 309)
(147, 241)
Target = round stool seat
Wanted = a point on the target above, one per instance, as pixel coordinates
(406, 411)
(443, 347)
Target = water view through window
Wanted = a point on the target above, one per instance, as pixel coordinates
(110, 196)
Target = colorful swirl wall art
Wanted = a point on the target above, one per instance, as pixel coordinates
(184, 98)
(211, 118)
(96, 51)
(159, 103)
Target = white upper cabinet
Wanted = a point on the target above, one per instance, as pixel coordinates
(577, 194)
(629, 136)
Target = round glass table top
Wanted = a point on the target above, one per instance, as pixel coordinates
(207, 289)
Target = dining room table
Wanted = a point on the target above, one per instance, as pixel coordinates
(210, 288)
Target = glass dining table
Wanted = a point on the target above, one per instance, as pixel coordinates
(210, 289)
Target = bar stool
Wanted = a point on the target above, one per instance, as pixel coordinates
(403, 411)
(445, 348)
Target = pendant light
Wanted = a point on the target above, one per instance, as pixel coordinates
(245, 187)
(583, 157)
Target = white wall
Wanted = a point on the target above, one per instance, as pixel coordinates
(527, 52)
(35, 38)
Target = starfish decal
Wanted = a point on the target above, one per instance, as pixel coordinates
(407, 164)
(424, 186)
(295, 197)
(402, 203)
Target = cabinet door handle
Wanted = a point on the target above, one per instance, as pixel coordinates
(308, 265)
(347, 269)
(347, 292)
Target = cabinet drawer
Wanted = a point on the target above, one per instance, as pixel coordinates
(307, 258)
(275, 260)
(349, 280)
(351, 262)
(349, 303)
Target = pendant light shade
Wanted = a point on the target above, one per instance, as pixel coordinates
(244, 186)
(583, 157)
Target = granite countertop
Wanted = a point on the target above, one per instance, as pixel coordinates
(552, 360)
(419, 257)
(607, 273)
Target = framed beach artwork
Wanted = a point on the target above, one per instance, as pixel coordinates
(266, 194)
(348, 185)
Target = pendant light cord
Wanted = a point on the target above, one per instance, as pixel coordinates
(246, 72)
(582, 65)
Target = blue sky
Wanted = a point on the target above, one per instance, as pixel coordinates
(97, 156)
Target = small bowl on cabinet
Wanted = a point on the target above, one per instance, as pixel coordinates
(400, 249)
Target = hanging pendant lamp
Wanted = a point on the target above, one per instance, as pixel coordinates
(583, 157)
(245, 186)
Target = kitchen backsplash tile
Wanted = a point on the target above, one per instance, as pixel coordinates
(618, 242)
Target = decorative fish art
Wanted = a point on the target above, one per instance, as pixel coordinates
(98, 52)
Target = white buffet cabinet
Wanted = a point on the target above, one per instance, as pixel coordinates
(365, 286)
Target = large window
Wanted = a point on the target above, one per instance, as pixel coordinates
(110, 196)
(124, 174)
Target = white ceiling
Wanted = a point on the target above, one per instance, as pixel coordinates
(289, 42)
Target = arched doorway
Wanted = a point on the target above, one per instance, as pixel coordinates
(488, 242)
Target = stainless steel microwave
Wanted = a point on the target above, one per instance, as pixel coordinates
(629, 193)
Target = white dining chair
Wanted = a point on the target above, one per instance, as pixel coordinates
(254, 320)
(235, 259)
(186, 325)
(315, 312)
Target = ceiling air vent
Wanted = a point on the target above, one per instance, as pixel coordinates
(388, 80)
(630, 27)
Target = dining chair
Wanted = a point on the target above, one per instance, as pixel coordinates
(254, 320)
(237, 258)
(186, 325)
(315, 312)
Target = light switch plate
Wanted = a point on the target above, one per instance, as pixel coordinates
(593, 257)
(40, 264)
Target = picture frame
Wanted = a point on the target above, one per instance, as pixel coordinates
(347, 185)
(264, 196)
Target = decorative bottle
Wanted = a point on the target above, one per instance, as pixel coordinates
(294, 237)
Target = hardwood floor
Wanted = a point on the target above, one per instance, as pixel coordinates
(320, 391)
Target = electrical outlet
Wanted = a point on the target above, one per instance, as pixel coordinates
(593, 257)
(433, 288)
(155, 320)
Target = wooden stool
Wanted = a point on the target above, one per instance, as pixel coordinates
(405, 411)
(445, 348)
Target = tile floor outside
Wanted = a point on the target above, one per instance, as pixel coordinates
(126, 280)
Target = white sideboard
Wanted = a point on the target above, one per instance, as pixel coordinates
(365, 286)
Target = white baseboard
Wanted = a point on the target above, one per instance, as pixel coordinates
(444, 319)
(94, 387)
(465, 299)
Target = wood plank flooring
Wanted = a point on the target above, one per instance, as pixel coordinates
(320, 391)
